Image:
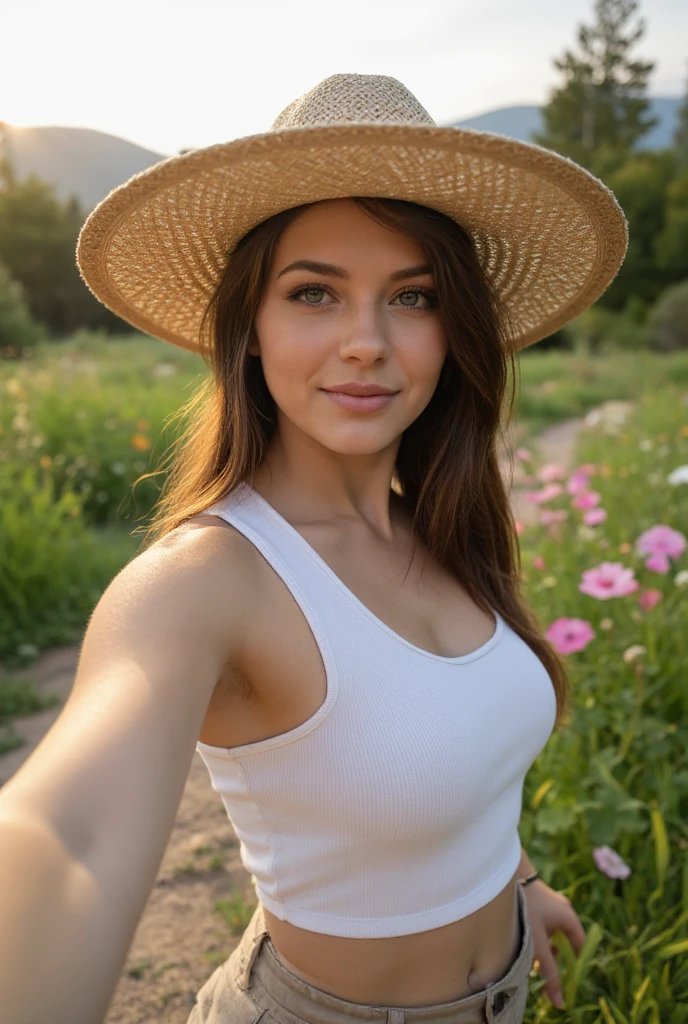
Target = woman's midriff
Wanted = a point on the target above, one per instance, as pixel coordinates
(435, 966)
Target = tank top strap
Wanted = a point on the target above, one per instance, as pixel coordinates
(311, 582)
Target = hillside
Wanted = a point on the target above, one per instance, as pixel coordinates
(89, 164)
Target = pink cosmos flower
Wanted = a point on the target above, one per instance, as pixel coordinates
(523, 455)
(569, 635)
(648, 599)
(609, 579)
(577, 482)
(661, 540)
(610, 863)
(586, 499)
(594, 516)
(551, 471)
(539, 562)
(551, 515)
(546, 494)
(658, 563)
(519, 527)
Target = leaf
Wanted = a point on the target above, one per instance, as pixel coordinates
(592, 941)
(673, 949)
(540, 793)
(661, 842)
(556, 819)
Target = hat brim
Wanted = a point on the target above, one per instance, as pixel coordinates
(550, 235)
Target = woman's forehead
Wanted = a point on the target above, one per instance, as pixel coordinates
(341, 225)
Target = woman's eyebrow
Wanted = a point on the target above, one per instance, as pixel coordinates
(333, 271)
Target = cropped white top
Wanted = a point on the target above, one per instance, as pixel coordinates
(395, 807)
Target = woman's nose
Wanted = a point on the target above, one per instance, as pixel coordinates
(363, 333)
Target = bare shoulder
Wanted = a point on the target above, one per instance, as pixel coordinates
(211, 561)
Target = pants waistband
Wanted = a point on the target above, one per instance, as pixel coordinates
(258, 962)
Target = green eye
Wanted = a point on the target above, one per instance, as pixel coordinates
(412, 295)
(309, 293)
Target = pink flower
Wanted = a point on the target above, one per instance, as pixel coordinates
(551, 515)
(609, 579)
(523, 455)
(551, 471)
(519, 527)
(586, 499)
(577, 482)
(610, 863)
(539, 562)
(546, 494)
(569, 635)
(658, 563)
(661, 540)
(648, 598)
(594, 516)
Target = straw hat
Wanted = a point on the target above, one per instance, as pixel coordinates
(549, 234)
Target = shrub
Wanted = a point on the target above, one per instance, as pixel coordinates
(667, 321)
(599, 329)
(18, 330)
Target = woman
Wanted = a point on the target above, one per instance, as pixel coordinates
(329, 610)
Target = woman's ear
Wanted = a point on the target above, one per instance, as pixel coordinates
(253, 347)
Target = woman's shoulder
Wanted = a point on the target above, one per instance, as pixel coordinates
(208, 556)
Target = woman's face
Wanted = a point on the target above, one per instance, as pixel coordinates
(348, 300)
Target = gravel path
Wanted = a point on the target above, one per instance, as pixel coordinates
(181, 937)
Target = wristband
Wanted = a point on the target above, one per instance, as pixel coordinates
(529, 878)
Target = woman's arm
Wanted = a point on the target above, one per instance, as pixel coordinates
(85, 821)
(525, 866)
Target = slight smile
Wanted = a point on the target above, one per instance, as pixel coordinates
(359, 403)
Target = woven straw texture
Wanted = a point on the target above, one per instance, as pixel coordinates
(549, 234)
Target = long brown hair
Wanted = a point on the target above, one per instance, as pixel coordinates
(447, 471)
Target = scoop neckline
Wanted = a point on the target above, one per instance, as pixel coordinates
(458, 659)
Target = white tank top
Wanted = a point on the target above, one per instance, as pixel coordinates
(395, 807)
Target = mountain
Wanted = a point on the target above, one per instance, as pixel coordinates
(89, 164)
(521, 122)
(78, 161)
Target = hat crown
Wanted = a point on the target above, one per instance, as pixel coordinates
(357, 99)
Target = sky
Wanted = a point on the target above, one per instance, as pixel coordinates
(174, 74)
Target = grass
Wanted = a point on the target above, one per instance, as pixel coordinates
(618, 774)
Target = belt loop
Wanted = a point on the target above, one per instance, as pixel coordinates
(489, 1004)
(395, 1016)
(249, 947)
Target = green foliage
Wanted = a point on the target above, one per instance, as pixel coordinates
(599, 329)
(558, 385)
(38, 236)
(640, 185)
(18, 330)
(667, 321)
(671, 242)
(681, 134)
(598, 114)
(96, 409)
(617, 775)
(53, 569)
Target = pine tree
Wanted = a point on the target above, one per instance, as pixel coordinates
(599, 113)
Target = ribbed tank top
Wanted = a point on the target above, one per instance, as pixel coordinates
(395, 807)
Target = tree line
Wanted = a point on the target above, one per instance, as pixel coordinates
(597, 116)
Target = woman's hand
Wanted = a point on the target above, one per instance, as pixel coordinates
(550, 911)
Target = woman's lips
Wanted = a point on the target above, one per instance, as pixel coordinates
(359, 403)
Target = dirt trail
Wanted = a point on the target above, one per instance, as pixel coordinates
(180, 937)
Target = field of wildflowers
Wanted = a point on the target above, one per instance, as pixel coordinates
(605, 811)
(605, 814)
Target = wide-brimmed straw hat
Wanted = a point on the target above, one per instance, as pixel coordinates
(550, 235)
